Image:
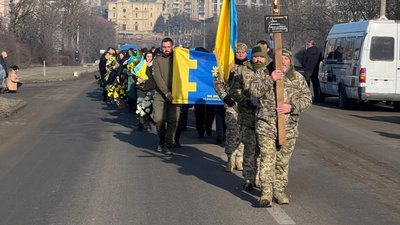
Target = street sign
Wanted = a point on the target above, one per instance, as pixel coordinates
(276, 24)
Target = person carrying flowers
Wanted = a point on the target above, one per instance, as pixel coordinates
(145, 92)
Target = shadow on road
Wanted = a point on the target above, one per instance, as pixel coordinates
(388, 119)
(190, 159)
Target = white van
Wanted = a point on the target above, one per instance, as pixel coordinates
(362, 62)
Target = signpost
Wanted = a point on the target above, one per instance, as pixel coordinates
(278, 24)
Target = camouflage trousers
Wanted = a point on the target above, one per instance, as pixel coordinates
(250, 154)
(274, 163)
(233, 146)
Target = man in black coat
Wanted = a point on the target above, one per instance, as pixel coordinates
(312, 58)
(3, 62)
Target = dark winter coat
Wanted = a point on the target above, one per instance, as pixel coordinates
(311, 60)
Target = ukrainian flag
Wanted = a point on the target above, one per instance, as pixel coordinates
(227, 36)
(192, 81)
(140, 70)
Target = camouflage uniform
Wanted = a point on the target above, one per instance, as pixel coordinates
(233, 146)
(246, 118)
(274, 158)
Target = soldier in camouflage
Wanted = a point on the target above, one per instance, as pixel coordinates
(233, 147)
(275, 158)
(247, 106)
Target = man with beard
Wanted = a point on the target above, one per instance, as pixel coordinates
(274, 157)
(166, 114)
(247, 106)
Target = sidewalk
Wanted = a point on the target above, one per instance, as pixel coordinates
(55, 73)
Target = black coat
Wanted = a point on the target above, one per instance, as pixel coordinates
(311, 60)
(3, 63)
(149, 85)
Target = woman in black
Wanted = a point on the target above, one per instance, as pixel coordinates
(144, 89)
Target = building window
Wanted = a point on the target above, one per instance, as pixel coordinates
(113, 14)
(151, 15)
(136, 15)
(123, 26)
(136, 27)
(124, 10)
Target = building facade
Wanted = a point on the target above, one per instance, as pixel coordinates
(194, 10)
(134, 18)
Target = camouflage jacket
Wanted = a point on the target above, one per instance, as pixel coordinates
(223, 88)
(240, 92)
(296, 93)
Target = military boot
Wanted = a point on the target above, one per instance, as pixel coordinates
(266, 200)
(257, 182)
(248, 185)
(230, 164)
(281, 198)
(239, 163)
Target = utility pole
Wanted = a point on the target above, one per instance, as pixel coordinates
(383, 8)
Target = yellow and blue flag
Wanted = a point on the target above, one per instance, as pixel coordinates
(227, 36)
(193, 81)
(140, 70)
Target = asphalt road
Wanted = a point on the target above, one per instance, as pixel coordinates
(69, 158)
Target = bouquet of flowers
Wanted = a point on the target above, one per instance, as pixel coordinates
(145, 105)
(117, 93)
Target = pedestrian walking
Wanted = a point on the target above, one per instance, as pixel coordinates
(233, 145)
(3, 70)
(311, 59)
(166, 114)
(275, 158)
(146, 89)
(247, 106)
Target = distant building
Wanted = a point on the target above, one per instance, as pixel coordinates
(248, 3)
(133, 18)
(194, 10)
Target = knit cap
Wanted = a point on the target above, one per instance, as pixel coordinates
(241, 47)
(259, 50)
(286, 52)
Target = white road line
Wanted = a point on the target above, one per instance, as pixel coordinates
(280, 216)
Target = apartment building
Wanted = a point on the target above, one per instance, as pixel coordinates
(195, 10)
(134, 17)
(4, 8)
(248, 3)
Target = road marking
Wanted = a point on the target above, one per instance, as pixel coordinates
(280, 216)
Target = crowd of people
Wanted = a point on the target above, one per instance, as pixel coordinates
(246, 125)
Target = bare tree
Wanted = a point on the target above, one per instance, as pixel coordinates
(21, 13)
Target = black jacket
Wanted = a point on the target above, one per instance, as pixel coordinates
(311, 60)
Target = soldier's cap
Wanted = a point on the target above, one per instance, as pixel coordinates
(242, 47)
(286, 52)
(259, 50)
(263, 42)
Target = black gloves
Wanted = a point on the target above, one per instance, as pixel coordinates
(229, 101)
(250, 104)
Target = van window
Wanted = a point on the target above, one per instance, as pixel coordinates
(336, 53)
(357, 48)
(330, 47)
(348, 48)
(382, 49)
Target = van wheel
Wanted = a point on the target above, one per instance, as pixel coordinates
(343, 100)
(396, 105)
